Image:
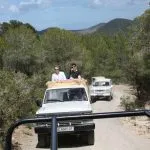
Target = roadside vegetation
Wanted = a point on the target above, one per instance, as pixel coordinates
(138, 66)
(27, 60)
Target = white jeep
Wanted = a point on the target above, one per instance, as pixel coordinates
(101, 87)
(69, 97)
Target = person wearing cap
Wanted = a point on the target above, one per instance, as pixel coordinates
(58, 75)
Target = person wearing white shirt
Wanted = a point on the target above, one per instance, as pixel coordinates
(58, 75)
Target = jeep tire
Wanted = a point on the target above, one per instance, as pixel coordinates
(43, 140)
(90, 138)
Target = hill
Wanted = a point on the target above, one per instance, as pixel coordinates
(90, 29)
(111, 27)
(116, 25)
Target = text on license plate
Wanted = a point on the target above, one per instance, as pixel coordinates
(65, 129)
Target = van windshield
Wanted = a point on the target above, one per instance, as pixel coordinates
(66, 94)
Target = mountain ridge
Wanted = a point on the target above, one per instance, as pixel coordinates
(111, 27)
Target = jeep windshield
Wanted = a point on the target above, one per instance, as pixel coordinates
(101, 83)
(65, 94)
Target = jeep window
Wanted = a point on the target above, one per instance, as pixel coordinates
(66, 94)
(102, 83)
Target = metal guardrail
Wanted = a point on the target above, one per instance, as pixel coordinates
(54, 119)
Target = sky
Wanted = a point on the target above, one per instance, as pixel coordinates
(69, 14)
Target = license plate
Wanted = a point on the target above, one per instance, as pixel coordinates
(99, 92)
(65, 129)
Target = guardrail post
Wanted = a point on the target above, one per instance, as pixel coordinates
(54, 134)
(8, 141)
(147, 113)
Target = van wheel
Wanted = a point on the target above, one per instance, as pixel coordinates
(109, 98)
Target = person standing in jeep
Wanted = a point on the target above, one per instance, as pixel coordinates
(58, 75)
(74, 73)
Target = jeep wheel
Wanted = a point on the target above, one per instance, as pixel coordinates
(43, 140)
(90, 138)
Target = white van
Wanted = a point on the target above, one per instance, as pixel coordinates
(101, 87)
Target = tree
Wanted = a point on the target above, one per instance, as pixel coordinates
(3, 46)
(15, 99)
(15, 24)
(138, 68)
(22, 52)
(61, 47)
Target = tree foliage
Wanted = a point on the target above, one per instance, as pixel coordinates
(15, 24)
(21, 53)
(15, 98)
(138, 67)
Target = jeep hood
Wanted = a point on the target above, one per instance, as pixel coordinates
(65, 107)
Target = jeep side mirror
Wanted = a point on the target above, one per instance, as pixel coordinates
(39, 103)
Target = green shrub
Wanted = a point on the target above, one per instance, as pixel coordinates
(16, 99)
(127, 104)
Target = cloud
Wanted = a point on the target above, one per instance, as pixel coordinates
(138, 2)
(116, 3)
(97, 2)
(14, 8)
(2, 7)
(105, 3)
(32, 4)
(27, 5)
(2, 4)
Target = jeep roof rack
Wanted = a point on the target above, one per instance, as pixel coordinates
(68, 82)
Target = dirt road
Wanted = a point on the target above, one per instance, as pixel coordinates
(111, 134)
